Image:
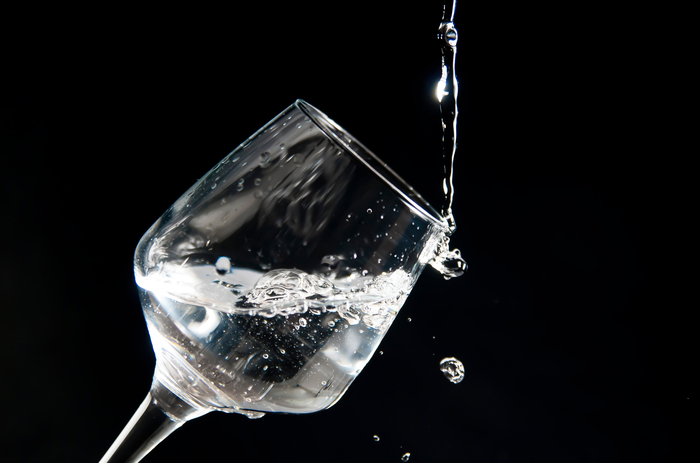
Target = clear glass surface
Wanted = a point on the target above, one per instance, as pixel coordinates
(269, 284)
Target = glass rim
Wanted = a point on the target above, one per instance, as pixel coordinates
(378, 167)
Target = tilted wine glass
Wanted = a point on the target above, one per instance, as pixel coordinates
(269, 284)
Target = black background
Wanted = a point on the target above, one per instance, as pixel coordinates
(572, 198)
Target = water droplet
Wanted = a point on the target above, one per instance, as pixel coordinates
(453, 369)
(302, 321)
(409, 319)
(365, 272)
(381, 352)
(405, 456)
(282, 351)
(381, 216)
(379, 261)
(450, 264)
(265, 356)
(239, 187)
(331, 323)
(258, 194)
(257, 182)
(213, 186)
(376, 438)
(223, 265)
(369, 211)
(282, 146)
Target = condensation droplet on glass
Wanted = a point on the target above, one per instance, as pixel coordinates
(405, 456)
(453, 369)
(223, 265)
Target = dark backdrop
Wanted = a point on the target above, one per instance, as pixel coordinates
(571, 321)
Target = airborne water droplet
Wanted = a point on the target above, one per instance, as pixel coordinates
(223, 265)
(453, 369)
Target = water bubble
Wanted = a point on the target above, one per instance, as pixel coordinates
(405, 456)
(453, 369)
(264, 159)
(351, 312)
(331, 261)
(376, 438)
(223, 265)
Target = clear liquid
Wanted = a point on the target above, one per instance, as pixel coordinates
(453, 369)
(446, 93)
(285, 341)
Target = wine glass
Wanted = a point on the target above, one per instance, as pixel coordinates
(269, 284)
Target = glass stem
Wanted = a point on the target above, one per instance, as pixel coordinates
(150, 425)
